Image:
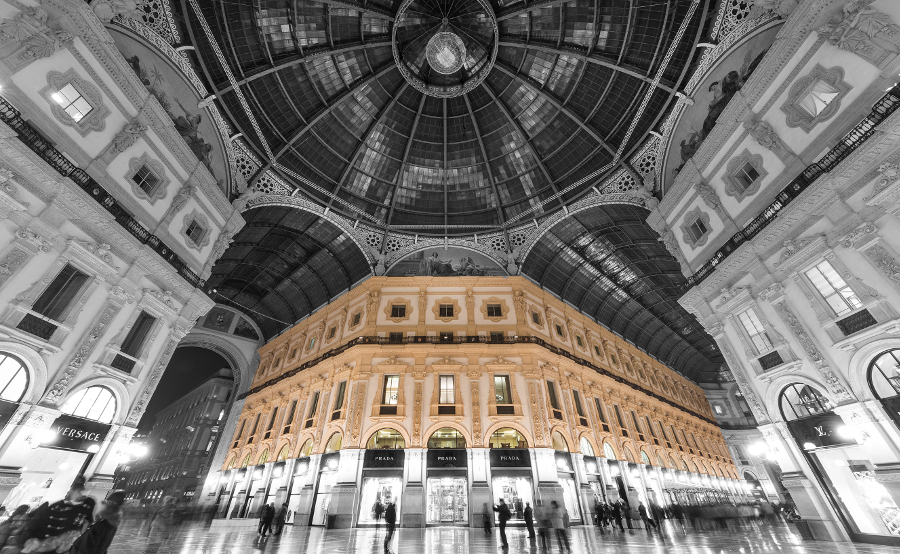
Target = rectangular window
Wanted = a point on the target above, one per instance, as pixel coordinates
(138, 333)
(395, 337)
(398, 310)
(271, 423)
(391, 394)
(72, 102)
(579, 341)
(448, 394)
(600, 412)
(496, 336)
(579, 409)
(502, 392)
(820, 95)
(652, 430)
(446, 310)
(145, 179)
(195, 232)
(559, 330)
(240, 433)
(637, 426)
(754, 328)
(339, 401)
(697, 229)
(620, 420)
(312, 343)
(597, 351)
(493, 310)
(332, 332)
(536, 318)
(836, 292)
(555, 409)
(746, 176)
(290, 417)
(55, 301)
(253, 429)
(311, 413)
(357, 317)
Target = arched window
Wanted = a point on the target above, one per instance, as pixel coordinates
(799, 401)
(334, 443)
(246, 461)
(506, 437)
(264, 457)
(559, 442)
(645, 458)
(13, 378)
(447, 437)
(285, 453)
(585, 446)
(231, 462)
(629, 457)
(608, 451)
(306, 449)
(386, 438)
(97, 403)
(659, 461)
(884, 380)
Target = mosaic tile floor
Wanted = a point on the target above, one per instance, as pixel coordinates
(196, 538)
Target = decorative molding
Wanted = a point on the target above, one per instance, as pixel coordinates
(436, 309)
(127, 137)
(399, 302)
(156, 167)
(797, 116)
(867, 32)
(885, 262)
(493, 300)
(95, 120)
(733, 187)
(768, 138)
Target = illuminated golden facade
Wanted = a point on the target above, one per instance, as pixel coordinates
(412, 367)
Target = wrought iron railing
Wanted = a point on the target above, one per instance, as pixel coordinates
(885, 106)
(43, 148)
(465, 340)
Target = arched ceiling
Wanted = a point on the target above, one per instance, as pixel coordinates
(315, 89)
(609, 264)
(284, 264)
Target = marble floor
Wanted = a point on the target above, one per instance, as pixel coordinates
(196, 538)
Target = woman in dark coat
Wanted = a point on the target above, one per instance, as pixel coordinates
(99, 536)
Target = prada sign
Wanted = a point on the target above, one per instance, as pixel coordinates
(510, 457)
(77, 434)
(384, 458)
(440, 457)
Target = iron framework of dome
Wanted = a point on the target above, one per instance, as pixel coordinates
(317, 92)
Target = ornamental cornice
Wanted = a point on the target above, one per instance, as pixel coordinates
(733, 298)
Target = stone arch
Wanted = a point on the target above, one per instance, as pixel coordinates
(326, 438)
(34, 363)
(240, 366)
(263, 449)
(752, 476)
(386, 425)
(282, 442)
(512, 425)
(612, 445)
(565, 435)
(123, 399)
(773, 392)
(858, 368)
(452, 424)
(587, 436)
(230, 458)
(301, 440)
(626, 449)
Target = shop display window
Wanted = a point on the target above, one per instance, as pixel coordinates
(447, 437)
(323, 497)
(559, 442)
(570, 496)
(378, 491)
(447, 500)
(506, 437)
(516, 492)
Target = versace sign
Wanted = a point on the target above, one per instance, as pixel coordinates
(77, 433)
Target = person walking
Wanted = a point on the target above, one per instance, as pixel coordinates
(390, 518)
(617, 515)
(54, 527)
(99, 536)
(543, 520)
(648, 521)
(487, 518)
(280, 518)
(11, 538)
(503, 515)
(378, 511)
(161, 523)
(529, 520)
(559, 526)
(266, 516)
(626, 511)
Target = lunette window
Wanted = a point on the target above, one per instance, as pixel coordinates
(13, 378)
(97, 403)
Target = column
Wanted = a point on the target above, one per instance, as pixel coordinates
(344, 493)
(481, 490)
(412, 509)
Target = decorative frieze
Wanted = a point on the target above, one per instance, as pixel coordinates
(476, 414)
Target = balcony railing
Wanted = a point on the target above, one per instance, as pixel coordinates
(43, 148)
(885, 106)
(389, 341)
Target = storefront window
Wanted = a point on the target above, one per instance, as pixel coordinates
(570, 497)
(559, 443)
(515, 491)
(585, 446)
(334, 443)
(447, 500)
(799, 401)
(506, 437)
(285, 453)
(379, 490)
(13, 378)
(386, 438)
(447, 437)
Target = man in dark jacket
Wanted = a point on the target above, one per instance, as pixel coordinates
(617, 515)
(645, 517)
(529, 520)
(266, 515)
(99, 536)
(503, 514)
(280, 518)
(390, 519)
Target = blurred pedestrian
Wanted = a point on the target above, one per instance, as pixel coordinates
(529, 520)
(160, 528)
(54, 527)
(99, 536)
(266, 517)
(645, 517)
(543, 520)
(487, 518)
(280, 517)
(503, 515)
(616, 510)
(11, 535)
(559, 526)
(390, 518)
